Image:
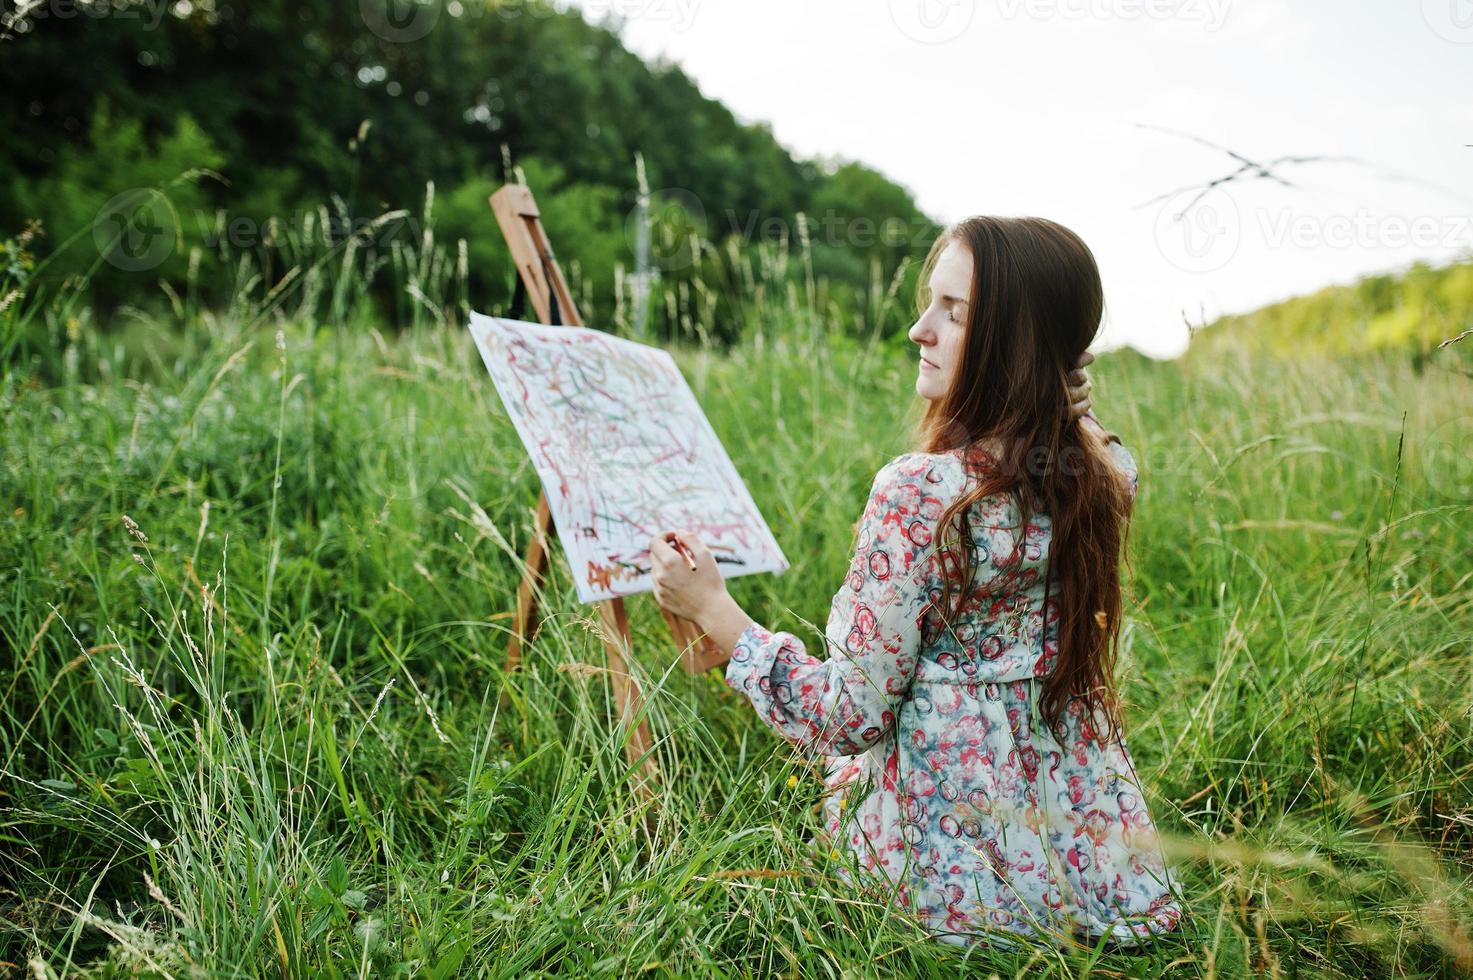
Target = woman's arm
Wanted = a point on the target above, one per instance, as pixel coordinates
(841, 704)
(725, 622)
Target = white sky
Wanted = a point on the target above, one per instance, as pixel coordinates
(1027, 107)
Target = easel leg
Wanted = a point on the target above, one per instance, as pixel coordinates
(525, 623)
(627, 695)
(617, 644)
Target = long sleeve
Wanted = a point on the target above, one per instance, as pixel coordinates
(842, 705)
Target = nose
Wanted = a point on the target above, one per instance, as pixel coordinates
(920, 333)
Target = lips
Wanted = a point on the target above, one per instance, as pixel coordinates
(927, 364)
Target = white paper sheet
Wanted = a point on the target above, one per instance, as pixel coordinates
(623, 450)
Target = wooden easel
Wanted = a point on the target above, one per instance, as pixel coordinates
(542, 277)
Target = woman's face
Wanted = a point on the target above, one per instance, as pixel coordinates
(943, 324)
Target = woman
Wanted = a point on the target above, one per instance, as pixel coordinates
(966, 710)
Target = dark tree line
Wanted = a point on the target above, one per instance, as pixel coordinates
(293, 103)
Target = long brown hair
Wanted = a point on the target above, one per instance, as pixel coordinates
(1034, 306)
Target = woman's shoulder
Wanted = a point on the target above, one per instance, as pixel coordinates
(911, 486)
(926, 484)
(933, 474)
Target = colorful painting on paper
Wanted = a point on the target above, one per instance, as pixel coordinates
(623, 450)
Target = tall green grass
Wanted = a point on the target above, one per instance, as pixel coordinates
(258, 578)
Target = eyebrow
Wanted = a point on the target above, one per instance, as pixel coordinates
(954, 299)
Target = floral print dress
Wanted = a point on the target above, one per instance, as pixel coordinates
(945, 784)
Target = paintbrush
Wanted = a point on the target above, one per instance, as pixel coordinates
(680, 546)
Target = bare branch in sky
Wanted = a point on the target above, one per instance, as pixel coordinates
(1248, 169)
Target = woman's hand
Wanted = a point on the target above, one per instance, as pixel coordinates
(1080, 387)
(679, 590)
